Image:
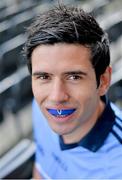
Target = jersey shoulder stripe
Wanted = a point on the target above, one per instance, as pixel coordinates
(117, 128)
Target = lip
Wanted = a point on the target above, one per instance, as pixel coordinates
(61, 112)
(60, 118)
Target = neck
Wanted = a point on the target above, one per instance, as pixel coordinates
(82, 130)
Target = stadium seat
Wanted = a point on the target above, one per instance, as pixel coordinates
(17, 163)
(16, 8)
(15, 26)
(115, 93)
(10, 55)
(21, 94)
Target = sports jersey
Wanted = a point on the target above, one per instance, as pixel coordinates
(97, 156)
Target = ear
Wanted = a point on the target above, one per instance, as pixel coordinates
(105, 80)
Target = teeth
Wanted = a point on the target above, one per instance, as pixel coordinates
(61, 116)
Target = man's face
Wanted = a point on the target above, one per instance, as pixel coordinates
(63, 79)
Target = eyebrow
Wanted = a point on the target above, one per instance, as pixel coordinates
(76, 73)
(65, 73)
(40, 73)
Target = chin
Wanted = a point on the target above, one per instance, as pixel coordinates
(61, 131)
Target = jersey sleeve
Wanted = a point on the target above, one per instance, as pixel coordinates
(38, 134)
(42, 138)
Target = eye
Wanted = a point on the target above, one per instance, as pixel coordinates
(43, 77)
(74, 77)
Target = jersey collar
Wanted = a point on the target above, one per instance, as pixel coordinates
(96, 136)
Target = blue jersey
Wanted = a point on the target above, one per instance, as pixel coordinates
(98, 155)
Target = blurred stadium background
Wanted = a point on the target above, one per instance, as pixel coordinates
(16, 143)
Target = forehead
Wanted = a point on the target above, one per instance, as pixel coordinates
(61, 56)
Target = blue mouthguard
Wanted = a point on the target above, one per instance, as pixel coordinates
(56, 112)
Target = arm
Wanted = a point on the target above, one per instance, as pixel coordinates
(39, 130)
(36, 118)
(36, 174)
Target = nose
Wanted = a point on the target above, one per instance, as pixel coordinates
(58, 92)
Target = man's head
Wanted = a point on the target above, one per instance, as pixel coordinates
(68, 57)
(70, 25)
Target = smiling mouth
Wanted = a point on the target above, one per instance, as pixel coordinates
(60, 113)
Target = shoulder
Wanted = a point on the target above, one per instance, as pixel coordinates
(117, 111)
(41, 127)
(117, 127)
(37, 115)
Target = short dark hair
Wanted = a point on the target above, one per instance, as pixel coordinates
(67, 24)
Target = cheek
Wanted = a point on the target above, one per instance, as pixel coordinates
(40, 92)
(86, 98)
(88, 102)
(84, 93)
(37, 92)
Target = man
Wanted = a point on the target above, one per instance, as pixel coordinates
(78, 132)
